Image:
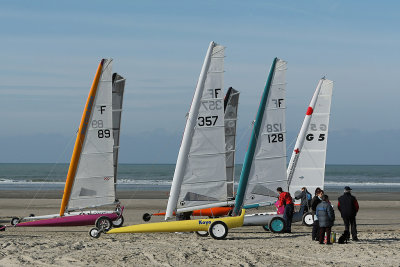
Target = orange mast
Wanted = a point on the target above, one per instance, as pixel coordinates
(79, 140)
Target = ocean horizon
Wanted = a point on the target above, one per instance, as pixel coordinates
(158, 177)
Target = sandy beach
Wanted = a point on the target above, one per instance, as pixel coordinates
(378, 226)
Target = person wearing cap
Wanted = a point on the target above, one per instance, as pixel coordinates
(285, 199)
(348, 207)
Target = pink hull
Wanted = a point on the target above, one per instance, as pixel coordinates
(76, 220)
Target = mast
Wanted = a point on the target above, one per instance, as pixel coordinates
(187, 137)
(80, 139)
(244, 176)
(300, 139)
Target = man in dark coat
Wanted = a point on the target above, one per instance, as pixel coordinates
(286, 200)
(326, 218)
(314, 203)
(348, 207)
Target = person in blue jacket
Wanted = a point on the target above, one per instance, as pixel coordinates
(326, 219)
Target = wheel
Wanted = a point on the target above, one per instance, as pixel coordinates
(277, 225)
(118, 222)
(103, 223)
(2, 228)
(94, 232)
(202, 233)
(218, 230)
(308, 219)
(14, 221)
(146, 217)
(31, 215)
(265, 227)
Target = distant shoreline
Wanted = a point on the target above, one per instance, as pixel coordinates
(125, 194)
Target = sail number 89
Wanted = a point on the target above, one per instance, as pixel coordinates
(103, 133)
(275, 138)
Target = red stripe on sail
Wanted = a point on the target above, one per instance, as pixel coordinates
(309, 111)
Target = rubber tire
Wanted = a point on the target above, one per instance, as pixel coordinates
(202, 233)
(117, 224)
(265, 227)
(14, 221)
(94, 232)
(2, 227)
(103, 223)
(216, 227)
(277, 225)
(146, 217)
(306, 220)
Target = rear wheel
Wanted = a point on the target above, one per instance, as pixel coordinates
(277, 225)
(202, 233)
(118, 222)
(146, 217)
(103, 223)
(308, 219)
(14, 221)
(218, 230)
(94, 232)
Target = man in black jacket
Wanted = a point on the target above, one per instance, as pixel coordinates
(314, 203)
(348, 207)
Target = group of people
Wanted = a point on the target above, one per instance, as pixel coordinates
(322, 210)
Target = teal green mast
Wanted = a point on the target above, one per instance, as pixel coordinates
(248, 159)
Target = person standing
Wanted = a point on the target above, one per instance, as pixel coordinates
(348, 207)
(305, 197)
(314, 203)
(326, 218)
(286, 200)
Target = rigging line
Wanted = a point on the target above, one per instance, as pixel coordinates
(51, 171)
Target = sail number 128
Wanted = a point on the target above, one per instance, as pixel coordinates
(275, 138)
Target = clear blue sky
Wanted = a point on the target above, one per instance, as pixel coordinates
(50, 51)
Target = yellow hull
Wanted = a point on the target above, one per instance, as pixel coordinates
(179, 226)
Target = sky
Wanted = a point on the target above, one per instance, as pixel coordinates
(50, 51)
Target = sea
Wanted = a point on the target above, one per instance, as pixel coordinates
(158, 177)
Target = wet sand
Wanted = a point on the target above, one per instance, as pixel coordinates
(378, 225)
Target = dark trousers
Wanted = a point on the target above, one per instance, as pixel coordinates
(288, 215)
(303, 209)
(322, 231)
(350, 221)
(315, 230)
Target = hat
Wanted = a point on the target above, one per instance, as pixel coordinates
(347, 188)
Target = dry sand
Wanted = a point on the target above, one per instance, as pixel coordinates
(378, 225)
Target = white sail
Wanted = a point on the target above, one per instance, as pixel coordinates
(94, 179)
(307, 165)
(268, 168)
(231, 109)
(200, 172)
(117, 99)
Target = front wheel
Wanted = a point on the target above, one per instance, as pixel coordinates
(308, 219)
(218, 230)
(277, 225)
(14, 221)
(118, 222)
(202, 233)
(103, 223)
(94, 232)
(2, 228)
(146, 217)
(265, 227)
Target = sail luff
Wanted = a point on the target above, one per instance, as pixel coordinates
(252, 145)
(187, 137)
(301, 137)
(80, 139)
